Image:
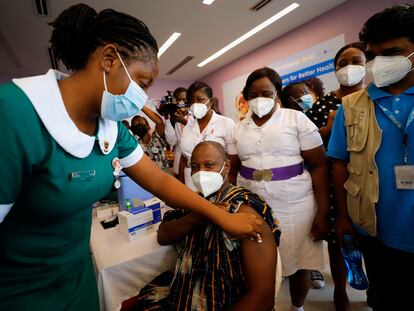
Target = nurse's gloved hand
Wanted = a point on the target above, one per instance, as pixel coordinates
(241, 225)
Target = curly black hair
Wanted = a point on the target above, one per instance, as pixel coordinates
(391, 23)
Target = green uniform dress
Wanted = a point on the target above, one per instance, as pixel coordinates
(50, 175)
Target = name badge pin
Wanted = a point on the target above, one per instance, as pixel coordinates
(106, 145)
(116, 164)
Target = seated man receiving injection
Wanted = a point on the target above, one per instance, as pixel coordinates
(215, 271)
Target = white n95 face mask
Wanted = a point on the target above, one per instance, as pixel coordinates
(208, 182)
(120, 107)
(261, 106)
(350, 75)
(199, 110)
(387, 70)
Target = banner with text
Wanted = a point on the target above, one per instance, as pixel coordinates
(315, 61)
(309, 72)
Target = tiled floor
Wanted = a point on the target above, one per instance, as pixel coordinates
(322, 299)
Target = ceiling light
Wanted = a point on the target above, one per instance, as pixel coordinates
(247, 35)
(168, 43)
(208, 2)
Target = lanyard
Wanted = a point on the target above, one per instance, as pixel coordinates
(398, 124)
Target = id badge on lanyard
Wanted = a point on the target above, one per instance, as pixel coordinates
(404, 174)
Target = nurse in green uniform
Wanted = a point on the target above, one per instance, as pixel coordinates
(60, 137)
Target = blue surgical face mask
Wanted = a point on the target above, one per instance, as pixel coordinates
(305, 102)
(120, 107)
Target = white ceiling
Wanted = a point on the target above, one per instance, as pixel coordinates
(205, 29)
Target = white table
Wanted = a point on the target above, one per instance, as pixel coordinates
(124, 268)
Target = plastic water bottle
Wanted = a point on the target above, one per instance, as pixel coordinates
(353, 261)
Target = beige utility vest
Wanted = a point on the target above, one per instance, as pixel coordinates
(363, 137)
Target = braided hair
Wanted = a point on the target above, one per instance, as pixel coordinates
(80, 30)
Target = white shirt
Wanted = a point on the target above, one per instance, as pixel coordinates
(218, 129)
(173, 137)
(44, 93)
(276, 143)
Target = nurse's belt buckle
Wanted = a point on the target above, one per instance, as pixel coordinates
(262, 175)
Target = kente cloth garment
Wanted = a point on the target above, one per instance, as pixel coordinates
(208, 274)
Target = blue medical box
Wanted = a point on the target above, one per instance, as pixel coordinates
(130, 191)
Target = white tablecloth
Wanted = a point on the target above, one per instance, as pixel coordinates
(124, 268)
